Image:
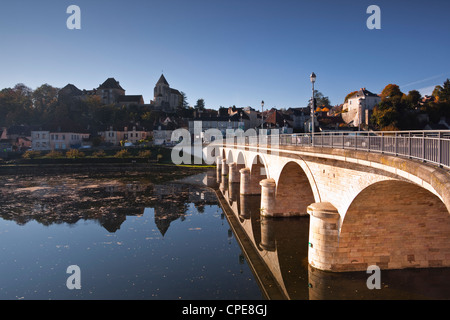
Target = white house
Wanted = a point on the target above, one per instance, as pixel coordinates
(40, 140)
(358, 106)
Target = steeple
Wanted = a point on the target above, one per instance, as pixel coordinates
(162, 80)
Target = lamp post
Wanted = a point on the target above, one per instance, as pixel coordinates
(262, 114)
(313, 80)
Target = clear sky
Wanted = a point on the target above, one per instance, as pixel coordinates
(228, 52)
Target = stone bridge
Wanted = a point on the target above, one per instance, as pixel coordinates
(364, 208)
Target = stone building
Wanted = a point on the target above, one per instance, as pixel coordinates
(165, 98)
(110, 91)
(357, 109)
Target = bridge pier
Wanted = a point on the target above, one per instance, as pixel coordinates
(245, 181)
(268, 201)
(233, 173)
(224, 167)
(323, 235)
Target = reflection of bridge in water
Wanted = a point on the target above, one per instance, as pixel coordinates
(277, 251)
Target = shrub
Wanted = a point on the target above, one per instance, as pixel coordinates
(74, 154)
(99, 154)
(31, 154)
(145, 154)
(122, 154)
(54, 155)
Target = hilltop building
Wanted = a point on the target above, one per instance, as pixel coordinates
(357, 108)
(165, 98)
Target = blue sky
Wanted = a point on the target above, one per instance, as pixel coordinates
(228, 52)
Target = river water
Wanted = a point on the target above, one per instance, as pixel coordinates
(133, 236)
(160, 235)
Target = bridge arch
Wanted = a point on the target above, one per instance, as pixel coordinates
(258, 172)
(394, 224)
(230, 157)
(293, 192)
(240, 161)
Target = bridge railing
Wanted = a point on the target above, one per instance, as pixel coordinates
(427, 146)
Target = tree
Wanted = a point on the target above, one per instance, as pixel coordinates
(443, 92)
(391, 91)
(200, 105)
(16, 106)
(441, 106)
(412, 99)
(321, 100)
(45, 98)
(183, 101)
(389, 110)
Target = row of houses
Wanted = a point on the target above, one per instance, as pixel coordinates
(70, 136)
(22, 138)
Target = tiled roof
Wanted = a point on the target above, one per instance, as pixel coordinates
(111, 83)
(363, 93)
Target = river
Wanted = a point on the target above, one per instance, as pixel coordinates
(166, 235)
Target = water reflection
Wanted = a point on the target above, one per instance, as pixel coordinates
(282, 244)
(108, 201)
(134, 237)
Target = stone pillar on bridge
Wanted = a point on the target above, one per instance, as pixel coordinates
(323, 235)
(268, 197)
(245, 181)
(224, 167)
(233, 173)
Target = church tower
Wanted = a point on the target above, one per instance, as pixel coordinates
(166, 98)
(161, 91)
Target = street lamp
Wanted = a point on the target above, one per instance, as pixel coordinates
(262, 114)
(313, 79)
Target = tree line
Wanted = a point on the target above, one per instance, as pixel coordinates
(400, 111)
(21, 105)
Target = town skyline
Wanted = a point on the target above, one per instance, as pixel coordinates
(228, 54)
